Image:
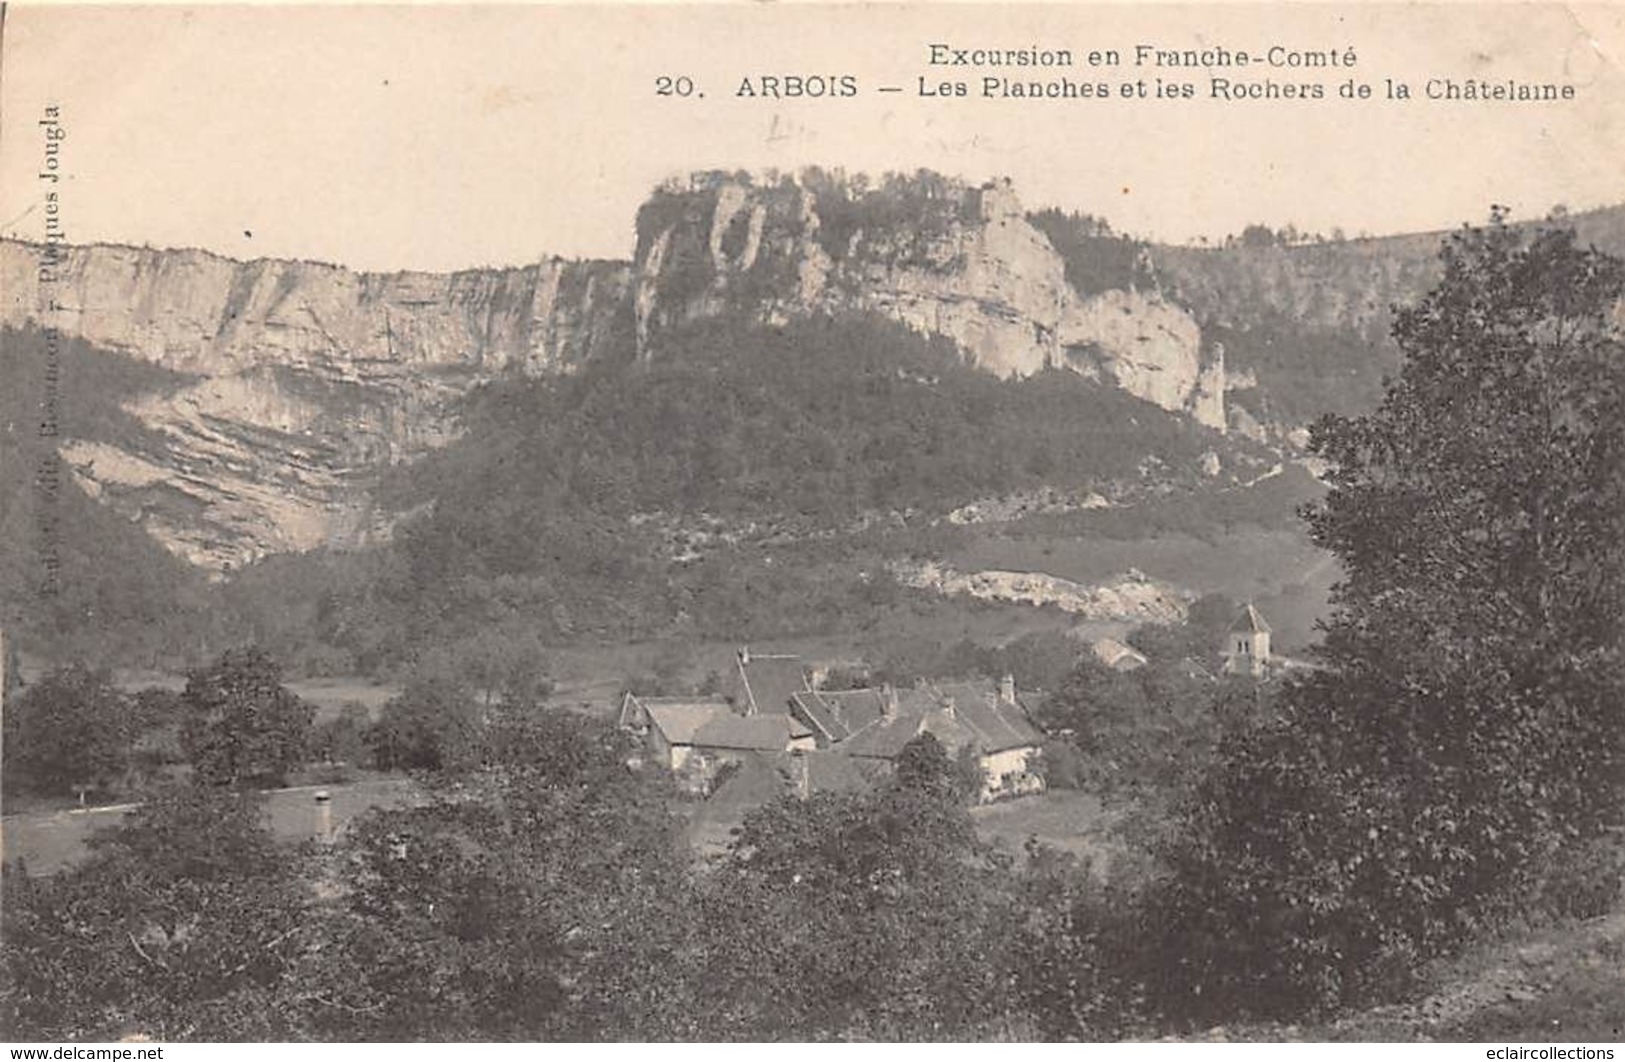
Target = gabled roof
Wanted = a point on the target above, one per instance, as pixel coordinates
(810, 706)
(712, 722)
(836, 714)
(1115, 654)
(856, 709)
(635, 709)
(959, 714)
(766, 733)
(998, 726)
(886, 738)
(679, 720)
(765, 683)
(1250, 621)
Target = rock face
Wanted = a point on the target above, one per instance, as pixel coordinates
(306, 379)
(197, 312)
(1131, 597)
(966, 264)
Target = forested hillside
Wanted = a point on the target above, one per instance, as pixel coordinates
(752, 481)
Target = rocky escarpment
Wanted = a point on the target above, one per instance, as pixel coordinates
(305, 380)
(1344, 285)
(196, 312)
(938, 256)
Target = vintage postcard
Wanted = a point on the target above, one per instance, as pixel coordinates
(813, 521)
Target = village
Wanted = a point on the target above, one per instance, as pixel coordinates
(782, 725)
(779, 730)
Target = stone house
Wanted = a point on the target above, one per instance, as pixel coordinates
(773, 719)
(873, 725)
(698, 735)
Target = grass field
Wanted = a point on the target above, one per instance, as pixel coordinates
(49, 841)
(330, 695)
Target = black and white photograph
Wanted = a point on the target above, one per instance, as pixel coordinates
(813, 522)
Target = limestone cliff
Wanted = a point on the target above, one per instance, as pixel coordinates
(303, 381)
(940, 257)
(198, 312)
(306, 379)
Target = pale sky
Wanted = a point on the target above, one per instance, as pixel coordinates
(441, 137)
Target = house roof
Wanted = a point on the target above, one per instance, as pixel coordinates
(635, 709)
(959, 714)
(809, 705)
(769, 732)
(999, 726)
(1112, 653)
(765, 683)
(712, 722)
(831, 772)
(886, 738)
(1250, 621)
(679, 720)
(838, 713)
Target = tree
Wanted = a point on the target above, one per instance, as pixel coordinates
(1479, 515)
(1151, 730)
(185, 923)
(1256, 235)
(343, 739)
(70, 732)
(1467, 738)
(505, 663)
(912, 938)
(432, 725)
(923, 765)
(1198, 638)
(544, 896)
(242, 725)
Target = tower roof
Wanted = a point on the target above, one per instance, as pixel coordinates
(1250, 621)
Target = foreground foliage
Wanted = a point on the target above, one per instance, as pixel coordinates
(1461, 759)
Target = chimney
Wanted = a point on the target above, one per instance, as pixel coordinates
(324, 817)
(888, 700)
(1007, 690)
(948, 707)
